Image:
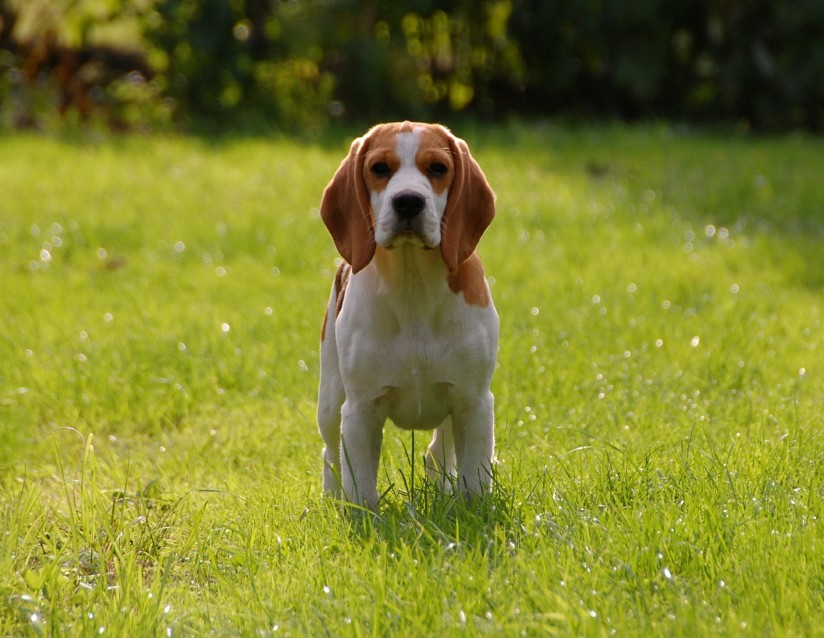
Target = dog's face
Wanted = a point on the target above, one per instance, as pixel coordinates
(408, 175)
(407, 183)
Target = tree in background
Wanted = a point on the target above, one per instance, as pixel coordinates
(299, 62)
(74, 59)
(296, 64)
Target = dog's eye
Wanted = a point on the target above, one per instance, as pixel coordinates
(437, 169)
(380, 169)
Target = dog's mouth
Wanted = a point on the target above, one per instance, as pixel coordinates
(409, 237)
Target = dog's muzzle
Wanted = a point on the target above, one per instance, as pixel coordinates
(409, 209)
(407, 206)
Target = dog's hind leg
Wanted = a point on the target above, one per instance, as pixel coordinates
(331, 396)
(440, 461)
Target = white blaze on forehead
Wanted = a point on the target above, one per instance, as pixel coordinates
(408, 144)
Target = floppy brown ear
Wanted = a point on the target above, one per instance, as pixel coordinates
(470, 207)
(345, 209)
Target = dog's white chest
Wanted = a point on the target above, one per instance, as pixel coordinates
(416, 391)
(417, 406)
(408, 375)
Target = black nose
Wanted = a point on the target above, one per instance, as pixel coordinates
(408, 205)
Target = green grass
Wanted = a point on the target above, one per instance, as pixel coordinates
(659, 396)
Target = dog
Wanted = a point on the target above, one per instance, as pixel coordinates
(410, 332)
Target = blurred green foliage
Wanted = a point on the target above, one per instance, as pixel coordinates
(297, 64)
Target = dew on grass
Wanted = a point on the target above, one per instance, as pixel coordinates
(179, 247)
(225, 327)
(108, 317)
(695, 341)
(220, 271)
(268, 311)
(667, 573)
(327, 590)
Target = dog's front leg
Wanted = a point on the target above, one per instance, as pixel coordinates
(473, 427)
(361, 439)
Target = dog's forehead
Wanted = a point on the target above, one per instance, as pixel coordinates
(406, 139)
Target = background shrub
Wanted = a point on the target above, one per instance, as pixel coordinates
(296, 64)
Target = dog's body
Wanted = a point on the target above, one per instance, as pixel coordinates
(410, 332)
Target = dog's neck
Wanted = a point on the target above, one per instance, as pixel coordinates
(411, 274)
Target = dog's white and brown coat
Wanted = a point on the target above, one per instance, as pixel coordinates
(410, 332)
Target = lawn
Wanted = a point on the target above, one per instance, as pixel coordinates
(659, 395)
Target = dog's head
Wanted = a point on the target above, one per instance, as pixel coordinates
(407, 183)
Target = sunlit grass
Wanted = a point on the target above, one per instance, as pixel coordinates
(658, 396)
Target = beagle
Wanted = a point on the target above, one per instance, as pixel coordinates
(410, 332)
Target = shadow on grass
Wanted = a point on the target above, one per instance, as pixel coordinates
(423, 516)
